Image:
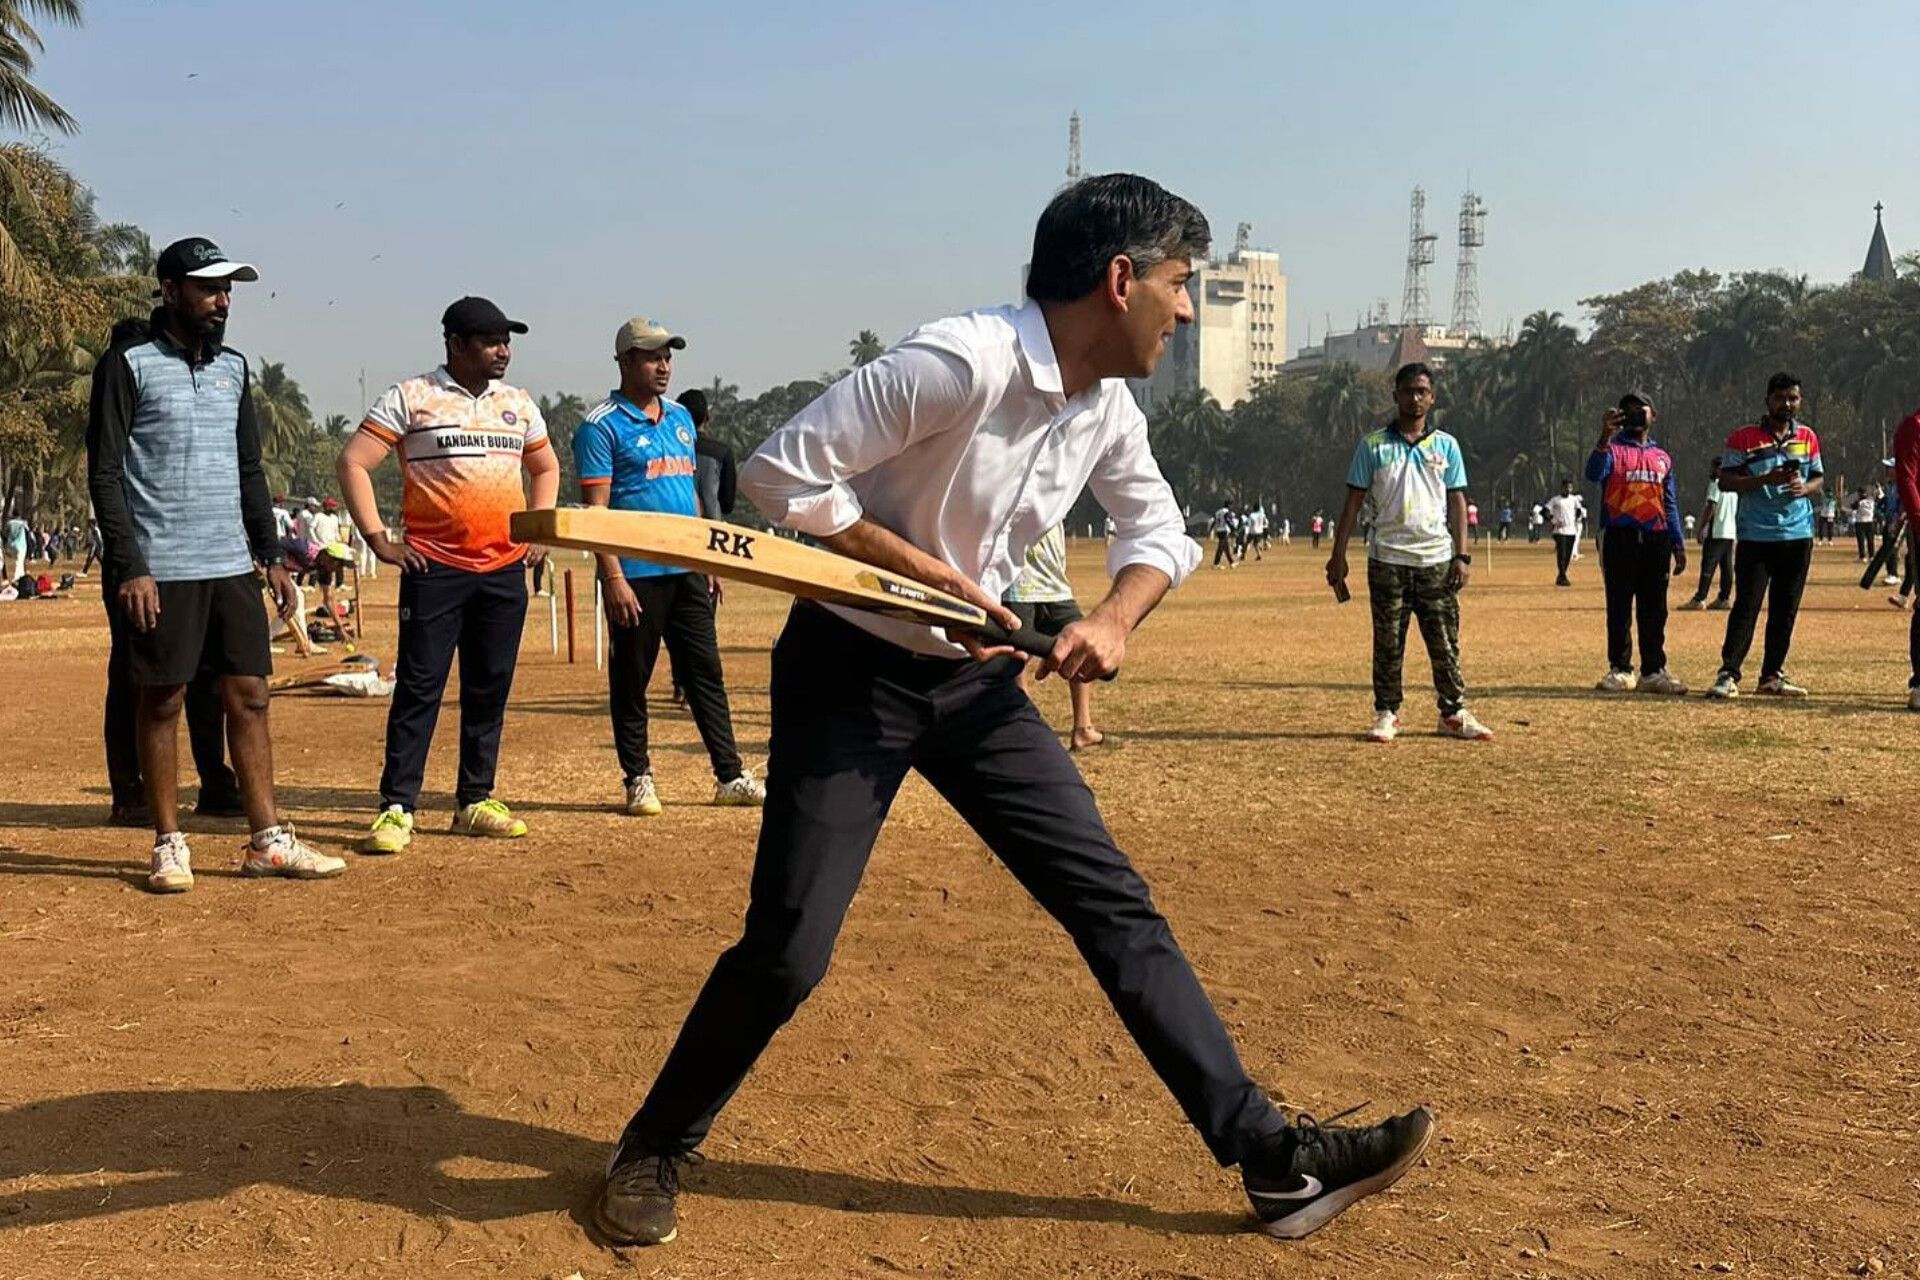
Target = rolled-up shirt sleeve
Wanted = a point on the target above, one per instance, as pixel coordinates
(1148, 525)
(801, 476)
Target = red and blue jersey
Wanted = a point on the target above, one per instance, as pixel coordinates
(1636, 488)
(1770, 513)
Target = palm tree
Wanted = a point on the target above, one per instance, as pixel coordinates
(23, 105)
(1544, 361)
(280, 406)
(866, 348)
(1341, 404)
(336, 425)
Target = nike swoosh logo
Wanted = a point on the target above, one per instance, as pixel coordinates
(1308, 1192)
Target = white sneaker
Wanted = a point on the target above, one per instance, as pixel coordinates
(1618, 682)
(1462, 724)
(745, 792)
(1661, 682)
(1386, 727)
(1780, 687)
(642, 800)
(172, 868)
(289, 856)
(1724, 686)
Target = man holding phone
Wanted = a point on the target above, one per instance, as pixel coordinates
(1641, 532)
(1417, 556)
(1774, 465)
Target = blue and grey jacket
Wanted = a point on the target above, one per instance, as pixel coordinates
(173, 460)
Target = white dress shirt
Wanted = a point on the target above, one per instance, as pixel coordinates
(962, 441)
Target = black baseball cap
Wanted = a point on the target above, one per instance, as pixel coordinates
(477, 315)
(1633, 398)
(201, 259)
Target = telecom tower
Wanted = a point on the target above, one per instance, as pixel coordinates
(1466, 278)
(1415, 309)
(1073, 147)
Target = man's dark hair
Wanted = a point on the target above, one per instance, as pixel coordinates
(695, 403)
(1782, 381)
(1104, 217)
(1408, 372)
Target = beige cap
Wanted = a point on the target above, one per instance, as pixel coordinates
(643, 334)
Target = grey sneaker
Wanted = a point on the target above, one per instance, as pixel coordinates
(1724, 687)
(636, 1206)
(1662, 682)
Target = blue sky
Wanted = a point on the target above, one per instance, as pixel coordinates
(771, 178)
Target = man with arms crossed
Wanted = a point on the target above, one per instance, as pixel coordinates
(1418, 560)
(635, 452)
(944, 460)
(464, 437)
(1774, 465)
(173, 466)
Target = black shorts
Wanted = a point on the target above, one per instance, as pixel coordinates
(1048, 617)
(216, 623)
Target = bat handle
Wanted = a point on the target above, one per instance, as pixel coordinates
(1026, 639)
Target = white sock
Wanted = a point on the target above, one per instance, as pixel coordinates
(264, 839)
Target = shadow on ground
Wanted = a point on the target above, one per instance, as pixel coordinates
(388, 1146)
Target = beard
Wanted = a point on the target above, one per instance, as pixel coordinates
(211, 327)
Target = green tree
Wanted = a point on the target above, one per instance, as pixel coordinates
(866, 348)
(1544, 363)
(23, 105)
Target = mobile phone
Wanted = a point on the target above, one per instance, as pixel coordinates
(1340, 592)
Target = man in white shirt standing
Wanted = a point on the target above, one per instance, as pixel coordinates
(944, 460)
(1564, 513)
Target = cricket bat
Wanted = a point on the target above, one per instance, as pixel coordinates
(781, 564)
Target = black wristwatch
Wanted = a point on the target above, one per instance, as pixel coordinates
(1464, 559)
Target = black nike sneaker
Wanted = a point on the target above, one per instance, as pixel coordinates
(1311, 1171)
(636, 1206)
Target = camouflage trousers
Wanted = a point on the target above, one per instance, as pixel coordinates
(1398, 593)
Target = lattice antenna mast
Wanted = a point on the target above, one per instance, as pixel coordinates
(1466, 277)
(1074, 172)
(1415, 307)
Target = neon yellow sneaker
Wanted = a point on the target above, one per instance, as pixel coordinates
(392, 831)
(489, 818)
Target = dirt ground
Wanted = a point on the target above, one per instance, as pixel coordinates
(1652, 963)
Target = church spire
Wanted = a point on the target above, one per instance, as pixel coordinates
(1879, 258)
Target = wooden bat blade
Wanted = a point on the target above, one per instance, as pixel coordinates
(748, 555)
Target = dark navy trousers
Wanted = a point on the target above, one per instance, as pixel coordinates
(851, 714)
(444, 611)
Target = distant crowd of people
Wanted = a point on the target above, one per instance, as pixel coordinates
(25, 545)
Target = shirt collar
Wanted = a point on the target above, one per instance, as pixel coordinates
(1394, 431)
(630, 407)
(1043, 367)
(450, 383)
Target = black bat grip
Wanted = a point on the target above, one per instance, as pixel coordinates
(1027, 640)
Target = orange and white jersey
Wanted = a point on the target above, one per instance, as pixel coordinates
(461, 458)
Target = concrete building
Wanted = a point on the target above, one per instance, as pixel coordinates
(1372, 346)
(1238, 336)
